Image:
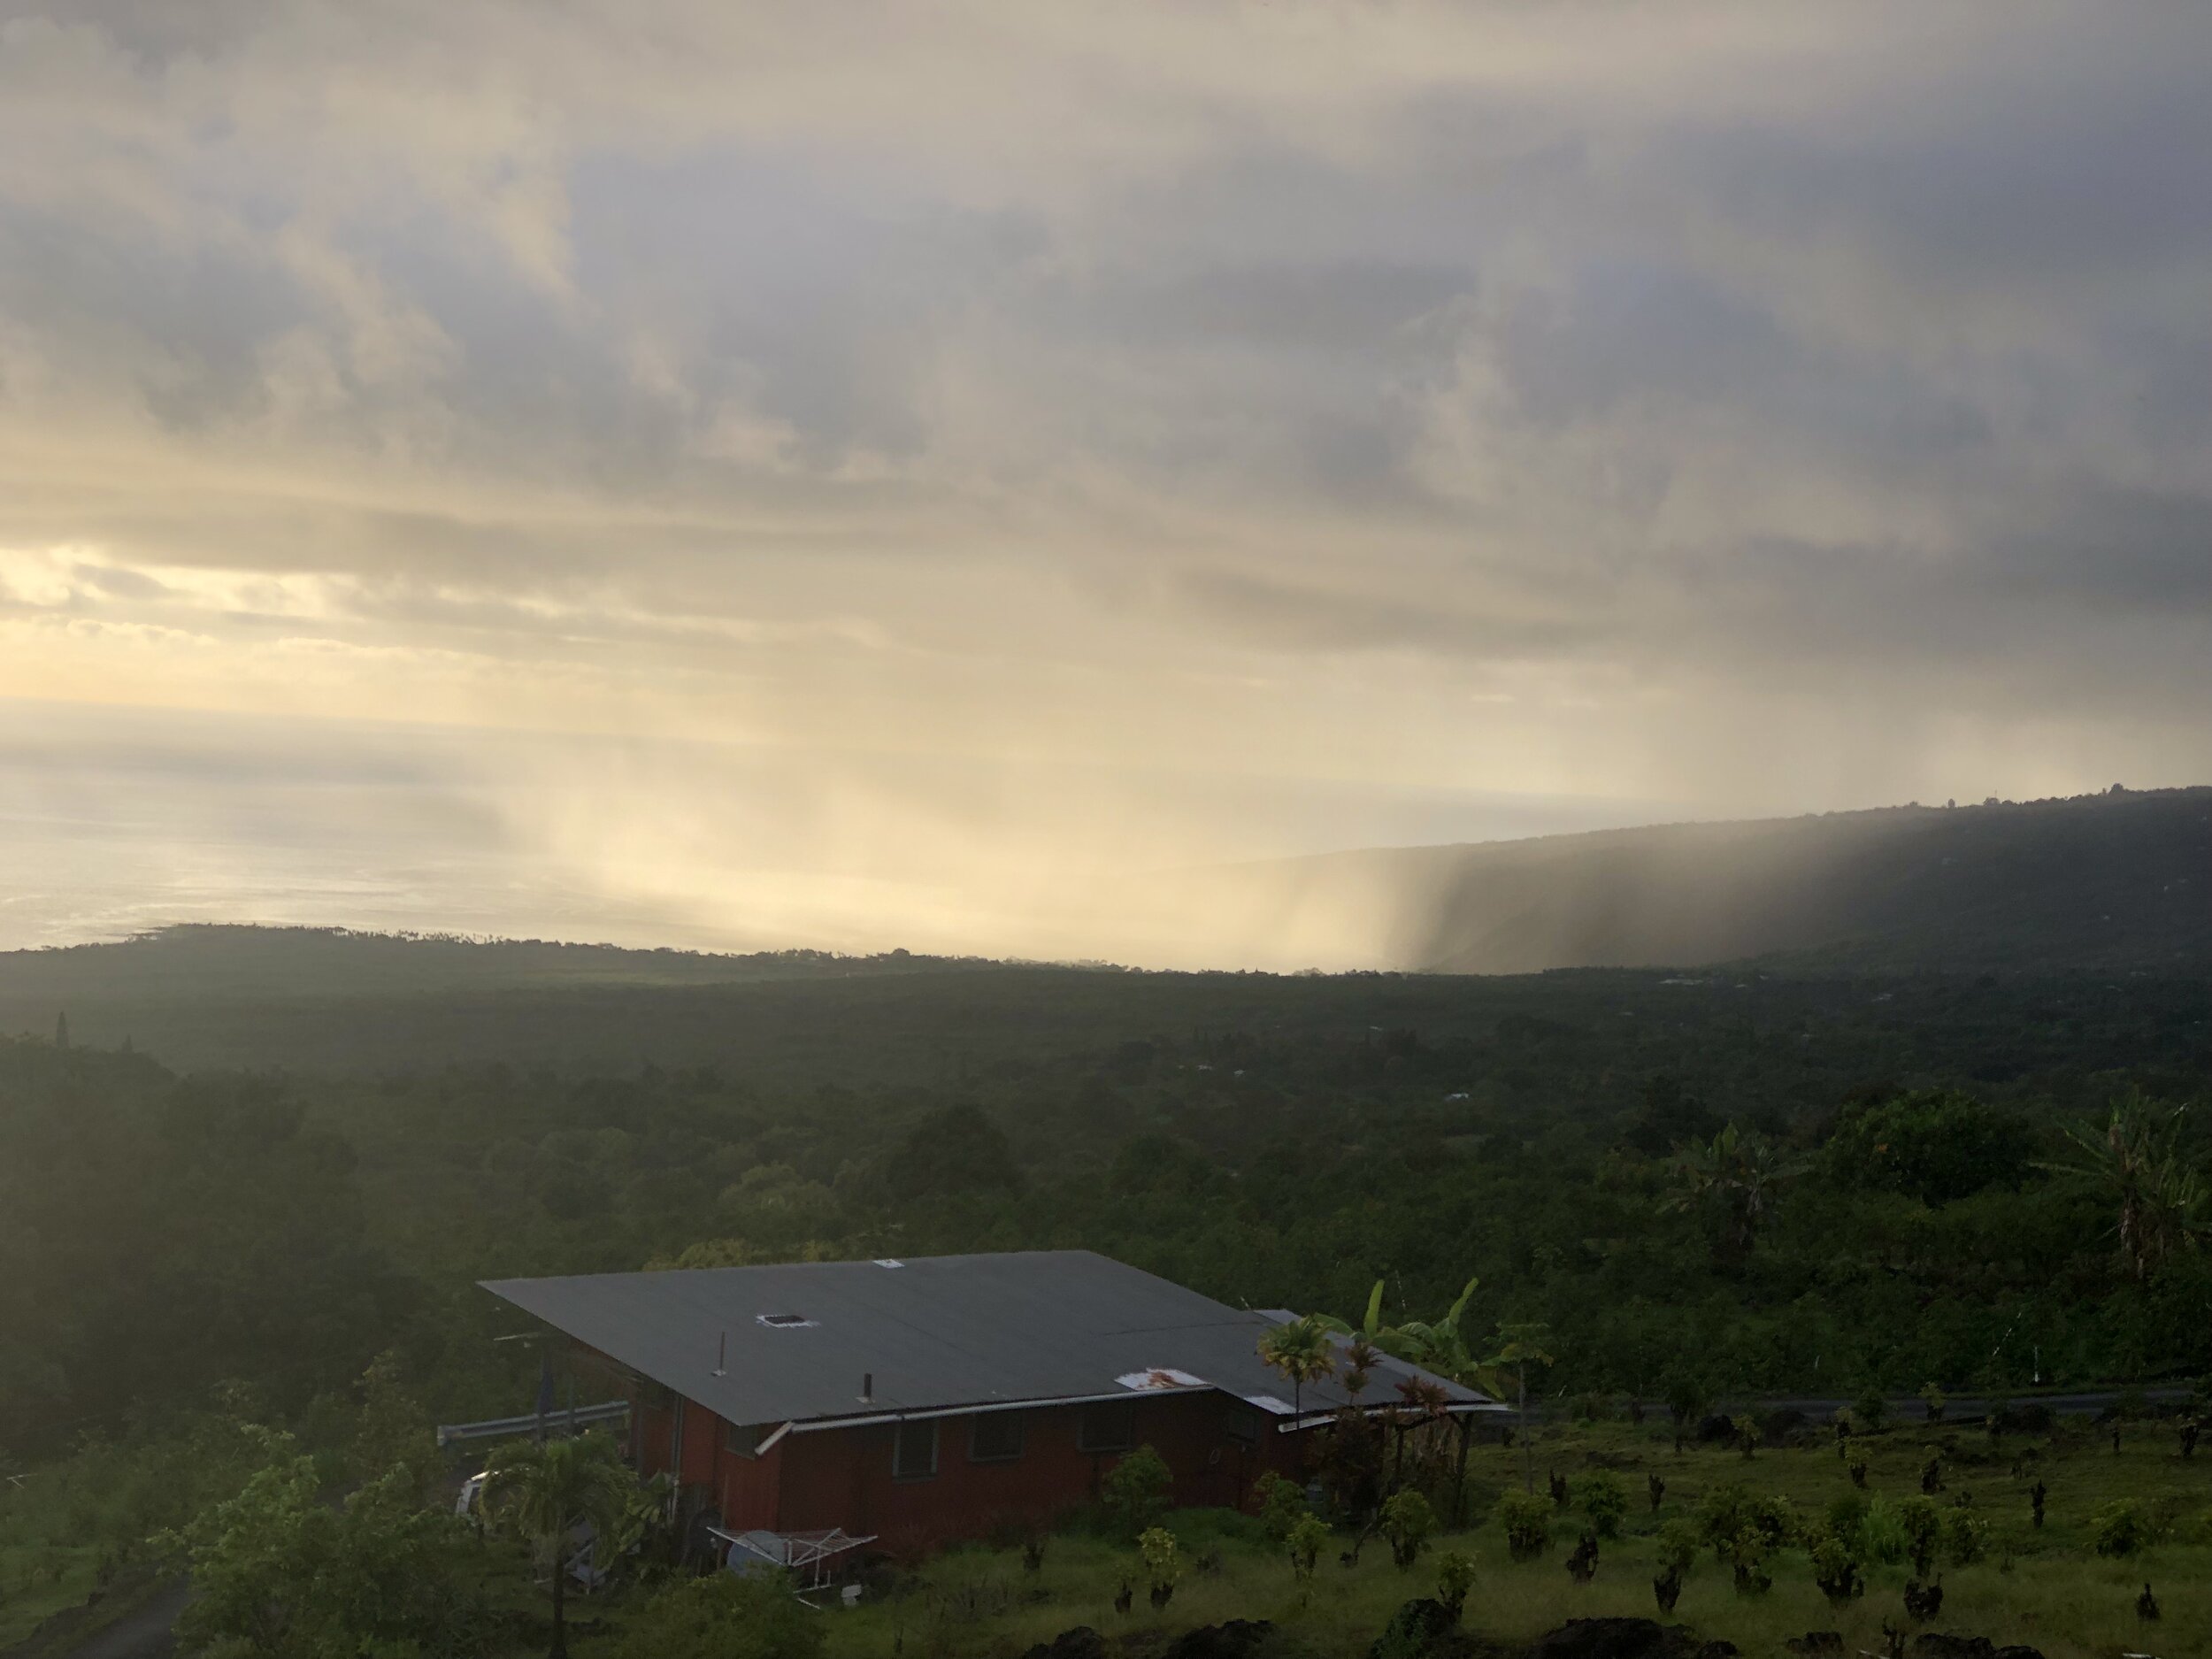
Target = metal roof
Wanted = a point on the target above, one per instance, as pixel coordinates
(933, 1332)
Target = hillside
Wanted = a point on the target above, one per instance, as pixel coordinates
(2096, 883)
(2096, 887)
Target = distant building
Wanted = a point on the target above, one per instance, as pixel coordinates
(936, 1399)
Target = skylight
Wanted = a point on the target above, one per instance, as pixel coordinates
(783, 1321)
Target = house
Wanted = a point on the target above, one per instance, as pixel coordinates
(934, 1398)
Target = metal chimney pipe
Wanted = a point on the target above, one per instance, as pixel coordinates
(867, 1387)
(722, 1356)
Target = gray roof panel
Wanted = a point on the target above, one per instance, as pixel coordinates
(935, 1332)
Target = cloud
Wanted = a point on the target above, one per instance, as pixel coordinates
(1587, 403)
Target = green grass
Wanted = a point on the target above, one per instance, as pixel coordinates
(2048, 1589)
(38, 1581)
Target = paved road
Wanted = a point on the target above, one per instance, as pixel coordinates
(1912, 1408)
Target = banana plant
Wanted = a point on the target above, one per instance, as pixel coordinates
(1438, 1346)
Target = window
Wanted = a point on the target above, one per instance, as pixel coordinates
(914, 1451)
(743, 1439)
(1106, 1428)
(1243, 1425)
(995, 1437)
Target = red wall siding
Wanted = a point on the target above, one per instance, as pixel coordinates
(842, 1476)
(751, 1490)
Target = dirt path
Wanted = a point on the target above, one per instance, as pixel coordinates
(144, 1632)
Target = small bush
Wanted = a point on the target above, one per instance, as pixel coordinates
(1407, 1522)
(1135, 1490)
(1282, 1505)
(1965, 1537)
(1526, 1519)
(1604, 1499)
(1307, 1538)
(1454, 1578)
(1923, 1523)
(2122, 1527)
(1747, 1552)
(1162, 1556)
(1836, 1571)
(1845, 1519)
(1677, 1546)
(1882, 1534)
(1869, 1410)
(1727, 1512)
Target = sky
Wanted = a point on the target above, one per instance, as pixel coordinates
(858, 475)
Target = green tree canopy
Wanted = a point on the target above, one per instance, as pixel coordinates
(1935, 1145)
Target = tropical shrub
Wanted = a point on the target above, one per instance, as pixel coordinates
(1135, 1490)
(1407, 1522)
(2123, 1527)
(1677, 1546)
(277, 1573)
(1282, 1505)
(1308, 1536)
(1729, 1512)
(1162, 1557)
(1526, 1519)
(1965, 1537)
(1923, 1523)
(1605, 1501)
(1454, 1578)
(1747, 1552)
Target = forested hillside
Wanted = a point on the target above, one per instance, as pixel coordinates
(1700, 1185)
(1281, 1141)
(2098, 881)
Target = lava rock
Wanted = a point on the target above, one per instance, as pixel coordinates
(1936, 1644)
(1234, 1639)
(1618, 1638)
(1082, 1643)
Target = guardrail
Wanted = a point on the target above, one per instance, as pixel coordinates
(568, 1420)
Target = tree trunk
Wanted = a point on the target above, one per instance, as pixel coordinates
(1528, 1451)
(1459, 1475)
(560, 1605)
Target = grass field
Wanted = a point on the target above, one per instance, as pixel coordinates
(2049, 1589)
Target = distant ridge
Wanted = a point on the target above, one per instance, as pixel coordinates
(2116, 880)
(205, 962)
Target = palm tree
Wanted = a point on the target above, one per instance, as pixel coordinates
(1740, 1175)
(544, 1492)
(1302, 1352)
(2136, 1162)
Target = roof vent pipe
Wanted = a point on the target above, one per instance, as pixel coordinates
(722, 1356)
(867, 1387)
